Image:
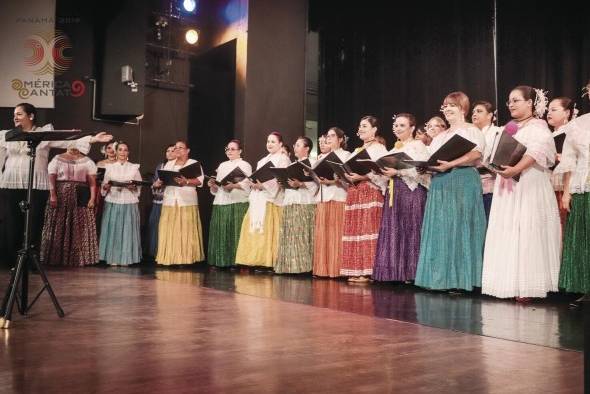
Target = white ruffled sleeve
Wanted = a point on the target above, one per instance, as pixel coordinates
(540, 145)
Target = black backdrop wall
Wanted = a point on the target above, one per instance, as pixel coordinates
(373, 61)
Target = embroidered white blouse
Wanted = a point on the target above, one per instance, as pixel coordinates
(303, 195)
(183, 196)
(121, 172)
(469, 132)
(14, 157)
(223, 197)
(271, 193)
(71, 170)
(575, 157)
(417, 151)
(336, 192)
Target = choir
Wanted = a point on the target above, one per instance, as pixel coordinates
(453, 225)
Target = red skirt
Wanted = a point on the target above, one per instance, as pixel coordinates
(362, 217)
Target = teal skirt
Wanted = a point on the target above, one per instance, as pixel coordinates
(574, 275)
(120, 243)
(224, 233)
(453, 232)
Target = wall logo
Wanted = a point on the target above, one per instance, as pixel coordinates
(47, 53)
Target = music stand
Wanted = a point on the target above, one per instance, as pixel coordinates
(20, 274)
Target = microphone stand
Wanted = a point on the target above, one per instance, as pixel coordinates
(28, 253)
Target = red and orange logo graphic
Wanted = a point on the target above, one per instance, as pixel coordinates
(47, 53)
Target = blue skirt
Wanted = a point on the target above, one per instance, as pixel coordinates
(119, 235)
(453, 232)
(152, 229)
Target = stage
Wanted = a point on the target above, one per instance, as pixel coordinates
(142, 329)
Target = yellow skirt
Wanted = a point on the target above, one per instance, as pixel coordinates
(260, 248)
(180, 237)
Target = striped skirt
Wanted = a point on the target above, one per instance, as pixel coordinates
(224, 233)
(453, 232)
(574, 275)
(69, 232)
(327, 250)
(362, 216)
(119, 235)
(260, 248)
(398, 245)
(180, 236)
(296, 239)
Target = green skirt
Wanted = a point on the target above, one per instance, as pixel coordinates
(224, 233)
(296, 239)
(574, 275)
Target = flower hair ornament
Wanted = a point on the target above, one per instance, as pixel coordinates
(586, 90)
(103, 149)
(575, 112)
(541, 101)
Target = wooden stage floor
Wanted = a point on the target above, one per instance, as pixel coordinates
(136, 334)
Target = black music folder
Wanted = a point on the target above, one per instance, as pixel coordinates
(322, 168)
(454, 148)
(131, 182)
(235, 176)
(508, 153)
(354, 165)
(295, 170)
(263, 174)
(190, 172)
(396, 161)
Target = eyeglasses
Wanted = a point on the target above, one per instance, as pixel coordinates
(179, 148)
(513, 101)
(231, 149)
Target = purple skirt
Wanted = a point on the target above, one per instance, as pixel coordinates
(398, 245)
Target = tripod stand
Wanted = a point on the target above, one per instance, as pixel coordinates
(28, 254)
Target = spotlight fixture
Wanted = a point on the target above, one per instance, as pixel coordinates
(191, 36)
(189, 5)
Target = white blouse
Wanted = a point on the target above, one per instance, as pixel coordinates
(183, 196)
(417, 151)
(539, 143)
(468, 131)
(272, 192)
(337, 191)
(121, 172)
(71, 170)
(375, 151)
(303, 195)
(575, 157)
(223, 197)
(14, 156)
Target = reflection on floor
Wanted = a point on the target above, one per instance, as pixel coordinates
(543, 322)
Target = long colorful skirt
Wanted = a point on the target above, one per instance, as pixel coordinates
(120, 242)
(453, 232)
(153, 228)
(327, 247)
(398, 245)
(69, 232)
(224, 233)
(574, 275)
(362, 215)
(296, 239)
(180, 235)
(260, 248)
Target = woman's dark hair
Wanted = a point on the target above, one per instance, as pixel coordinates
(182, 142)
(411, 119)
(29, 110)
(486, 104)
(167, 147)
(528, 93)
(340, 134)
(278, 135)
(373, 121)
(306, 142)
(567, 104)
(237, 142)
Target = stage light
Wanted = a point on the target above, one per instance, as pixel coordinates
(191, 36)
(189, 5)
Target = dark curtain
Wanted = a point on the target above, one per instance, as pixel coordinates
(374, 61)
(545, 45)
